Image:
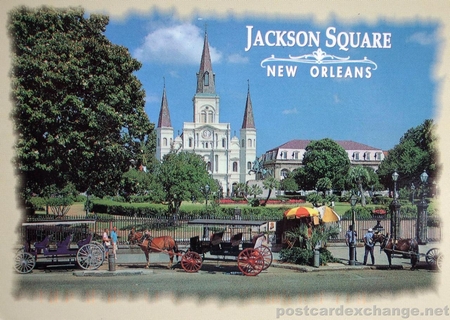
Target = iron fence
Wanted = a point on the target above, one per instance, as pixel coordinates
(181, 231)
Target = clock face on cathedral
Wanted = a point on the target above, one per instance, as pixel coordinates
(206, 133)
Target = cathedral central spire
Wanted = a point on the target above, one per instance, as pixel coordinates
(164, 114)
(249, 121)
(205, 76)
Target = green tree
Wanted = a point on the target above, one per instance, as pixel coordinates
(323, 159)
(324, 184)
(289, 184)
(360, 177)
(78, 107)
(182, 176)
(270, 183)
(416, 152)
(253, 190)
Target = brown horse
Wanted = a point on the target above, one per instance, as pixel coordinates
(149, 244)
(403, 246)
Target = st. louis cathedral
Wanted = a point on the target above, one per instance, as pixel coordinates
(228, 159)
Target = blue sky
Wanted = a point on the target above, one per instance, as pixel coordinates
(375, 110)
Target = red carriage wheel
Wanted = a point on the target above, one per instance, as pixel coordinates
(191, 261)
(250, 262)
(267, 255)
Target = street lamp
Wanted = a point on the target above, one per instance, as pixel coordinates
(413, 190)
(206, 196)
(422, 206)
(352, 247)
(395, 210)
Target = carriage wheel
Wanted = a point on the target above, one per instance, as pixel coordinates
(267, 256)
(250, 262)
(191, 261)
(101, 246)
(90, 256)
(434, 257)
(24, 262)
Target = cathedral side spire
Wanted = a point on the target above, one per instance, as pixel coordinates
(249, 121)
(164, 114)
(205, 76)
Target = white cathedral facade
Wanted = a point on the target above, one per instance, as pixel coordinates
(228, 158)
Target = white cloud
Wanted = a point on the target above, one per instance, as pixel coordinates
(422, 38)
(237, 58)
(180, 44)
(290, 111)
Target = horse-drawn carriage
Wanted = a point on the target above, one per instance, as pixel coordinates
(55, 242)
(251, 255)
(248, 250)
(407, 248)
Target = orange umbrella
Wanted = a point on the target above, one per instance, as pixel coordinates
(300, 212)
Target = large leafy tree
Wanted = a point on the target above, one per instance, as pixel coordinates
(182, 176)
(78, 107)
(323, 159)
(415, 152)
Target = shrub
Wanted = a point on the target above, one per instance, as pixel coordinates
(297, 255)
(302, 256)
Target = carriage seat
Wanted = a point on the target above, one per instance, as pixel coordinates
(81, 242)
(41, 245)
(216, 238)
(65, 243)
(236, 239)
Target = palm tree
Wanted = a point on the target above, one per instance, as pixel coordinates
(269, 184)
(360, 176)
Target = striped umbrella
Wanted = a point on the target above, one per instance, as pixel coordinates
(300, 212)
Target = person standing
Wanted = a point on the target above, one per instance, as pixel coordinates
(106, 242)
(350, 237)
(369, 246)
(114, 241)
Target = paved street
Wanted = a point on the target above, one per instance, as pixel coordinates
(215, 280)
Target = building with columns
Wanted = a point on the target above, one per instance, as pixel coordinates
(288, 156)
(228, 158)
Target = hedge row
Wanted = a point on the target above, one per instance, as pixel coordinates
(217, 212)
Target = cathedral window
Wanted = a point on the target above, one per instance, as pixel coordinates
(203, 116)
(235, 166)
(190, 143)
(249, 143)
(206, 79)
(164, 142)
(224, 143)
(216, 163)
(249, 165)
(210, 117)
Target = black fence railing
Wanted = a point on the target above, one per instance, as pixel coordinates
(182, 231)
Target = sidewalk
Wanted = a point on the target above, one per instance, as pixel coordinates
(341, 251)
(132, 261)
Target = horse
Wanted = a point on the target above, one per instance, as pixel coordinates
(404, 246)
(149, 244)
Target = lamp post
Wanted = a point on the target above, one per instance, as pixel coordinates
(413, 190)
(422, 206)
(352, 246)
(206, 196)
(395, 210)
